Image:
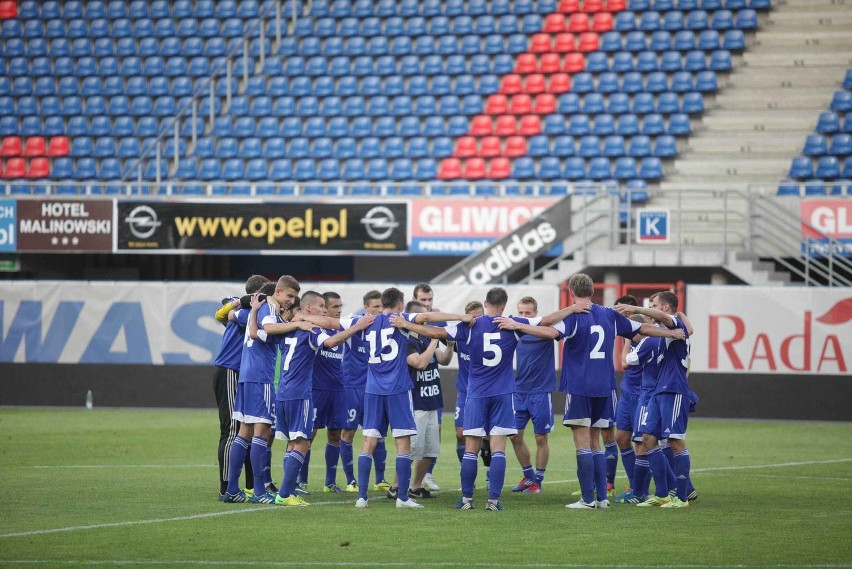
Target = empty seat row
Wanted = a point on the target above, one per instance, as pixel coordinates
(82, 126)
(593, 103)
(815, 187)
(684, 40)
(125, 27)
(23, 168)
(34, 146)
(418, 26)
(611, 82)
(830, 122)
(332, 106)
(650, 20)
(96, 105)
(108, 86)
(664, 5)
(139, 9)
(108, 66)
(553, 168)
(579, 125)
(127, 47)
(826, 167)
(623, 61)
(819, 145)
(412, 8)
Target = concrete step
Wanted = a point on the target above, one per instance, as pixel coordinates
(793, 60)
(800, 40)
(732, 166)
(781, 99)
(784, 77)
(830, 18)
(759, 120)
(745, 143)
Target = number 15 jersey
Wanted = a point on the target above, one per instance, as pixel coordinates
(587, 364)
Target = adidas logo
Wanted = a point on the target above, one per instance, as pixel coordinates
(666, 431)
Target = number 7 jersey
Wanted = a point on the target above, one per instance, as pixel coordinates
(587, 364)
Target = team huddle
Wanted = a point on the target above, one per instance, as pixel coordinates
(295, 364)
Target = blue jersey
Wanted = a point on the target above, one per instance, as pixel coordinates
(587, 364)
(631, 380)
(535, 370)
(328, 369)
(298, 356)
(671, 376)
(387, 348)
(464, 367)
(491, 353)
(231, 351)
(258, 359)
(644, 356)
(355, 361)
(426, 394)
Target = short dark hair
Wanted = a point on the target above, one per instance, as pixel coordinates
(372, 295)
(497, 296)
(415, 306)
(329, 295)
(268, 288)
(627, 299)
(288, 282)
(391, 297)
(669, 298)
(581, 285)
(424, 287)
(311, 297)
(254, 283)
(472, 305)
(529, 300)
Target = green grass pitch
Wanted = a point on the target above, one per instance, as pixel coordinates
(128, 488)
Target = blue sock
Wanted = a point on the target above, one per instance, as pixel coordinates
(258, 461)
(682, 465)
(600, 473)
(380, 457)
(670, 466)
(498, 474)
(529, 472)
(586, 474)
(365, 463)
(432, 464)
(293, 462)
(628, 459)
(460, 452)
(267, 465)
(659, 464)
(403, 474)
(303, 475)
(332, 455)
(236, 458)
(347, 456)
(539, 475)
(641, 476)
(611, 454)
(468, 473)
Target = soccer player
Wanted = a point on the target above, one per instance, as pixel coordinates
(424, 355)
(588, 377)
(355, 376)
(488, 409)
(668, 408)
(628, 404)
(534, 380)
(254, 402)
(295, 408)
(226, 376)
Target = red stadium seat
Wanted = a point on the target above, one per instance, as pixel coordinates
(465, 147)
(616, 5)
(506, 125)
(592, 6)
(530, 125)
(564, 43)
(540, 43)
(11, 146)
(559, 83)
(521, 104)
(549, 63)
(490, 147)
(589, 42)
(15, 168)
(34, 146)
(474, 169)
(554, 23)
(450, 169)
(59, 146)
(568, 6)
(578, 23)
(527, 63)
(515, 146)
(480, 126)
(511, 84)
(545, 104)
(39, 168)
(602, 22)
(497, 104)
(8, 9)
(534, 84)
(500, 168)
(574, 62)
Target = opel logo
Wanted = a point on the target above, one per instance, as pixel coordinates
(379, 223)
(143, 222)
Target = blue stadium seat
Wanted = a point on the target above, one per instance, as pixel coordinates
(70, 106)
(625, 168)
(244, 126)
(614, 146)
(695, 61)
(62, 168)
(104, 148)
(653, 124)
(665, 146)
(232, 169)
(274, 148)
(632, 81)
(683, 40)
(624, 21)
(95, 105)
(589, 146)
(815, 145)
(77, 126)
(708, 40)
(705, 81)
(354, 169)
(53, 126)
(734, 40)
(604, 125)
(651, 168)
(575, 168)
(640, 146)
(110, 169)
(828, 122)
(635, 41)
(314, 127)
(81, 146)
(209, 169)
(746, 20)
(656, 82)
(827, 167)
(85, 169)
(100, 126)
(627, 125)
(146, 126)
(841, 145)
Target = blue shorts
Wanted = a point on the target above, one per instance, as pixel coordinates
(294, 419)
(638, 416)
(625, 411)
(667, 416)
(460, 399)
(535, 407)
(397, 409)
(493, 415)
(354, 406)
(254, 403)
(613, 407)
(329, 409)
(582, 411)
